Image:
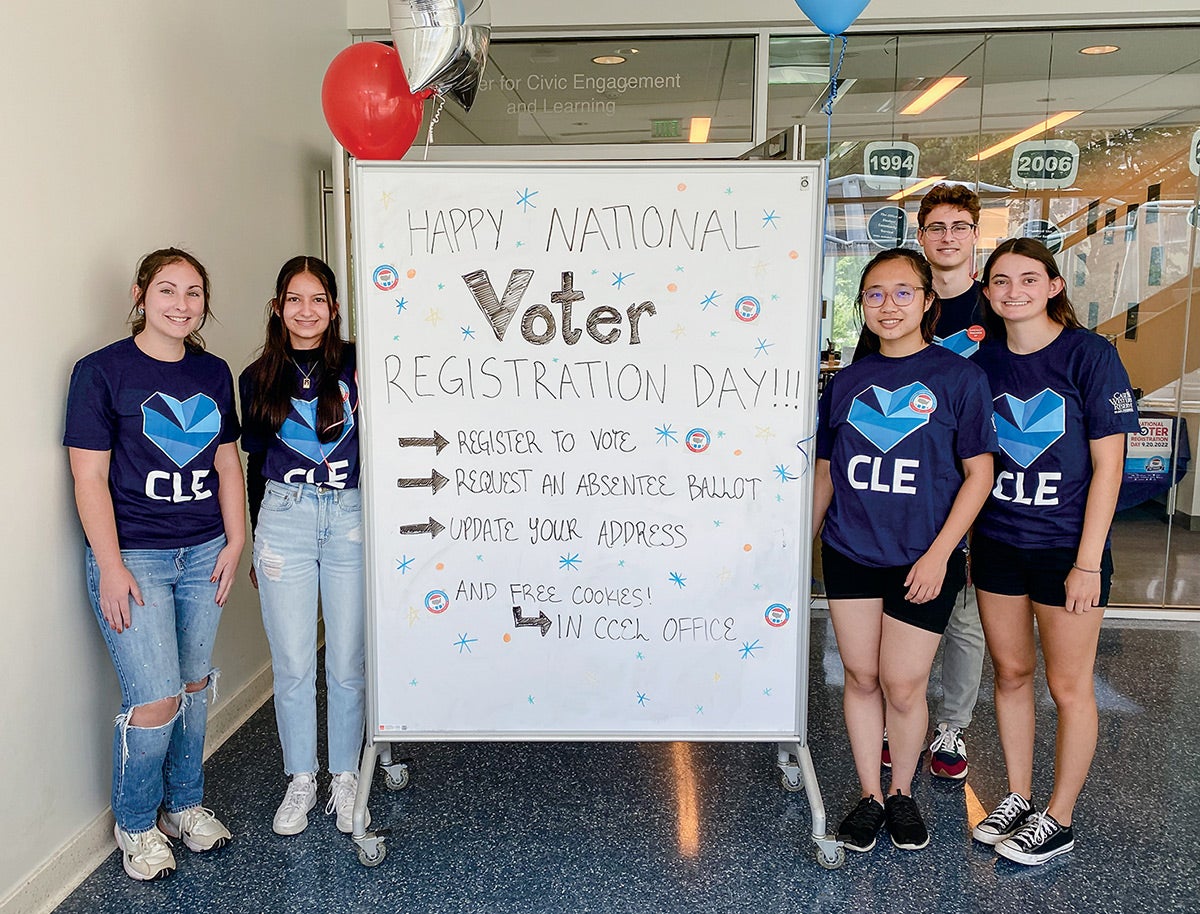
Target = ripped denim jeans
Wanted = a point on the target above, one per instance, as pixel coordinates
(309, 543)
(168, 645)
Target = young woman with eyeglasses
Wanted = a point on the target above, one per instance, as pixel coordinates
(1041, 550)
(904, 463)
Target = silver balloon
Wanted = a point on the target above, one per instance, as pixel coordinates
(442, 44)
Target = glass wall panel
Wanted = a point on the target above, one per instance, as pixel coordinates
(651, 90)
(1093, 152)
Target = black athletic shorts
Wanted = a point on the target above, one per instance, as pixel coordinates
(846, 579)
(1040, 574)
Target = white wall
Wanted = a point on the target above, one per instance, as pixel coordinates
(557, 15)
(126, 126)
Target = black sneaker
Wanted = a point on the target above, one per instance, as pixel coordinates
(1004, 820)
(904, 822)
(1038, 840)
(858, 830)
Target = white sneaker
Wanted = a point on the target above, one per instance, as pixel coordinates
(200, 829)
(342, 791)
(291, 817)
(146, 855)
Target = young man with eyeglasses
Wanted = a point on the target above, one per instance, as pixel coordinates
(948, 230)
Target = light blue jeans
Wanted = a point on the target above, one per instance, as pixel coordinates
(168, 645)
(309, 542)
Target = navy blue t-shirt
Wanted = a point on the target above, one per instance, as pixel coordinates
(960, 325)
(295, 454)
(1049, 405)
(895, 431)
(163, 422)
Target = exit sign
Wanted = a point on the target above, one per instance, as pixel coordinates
(666, 128)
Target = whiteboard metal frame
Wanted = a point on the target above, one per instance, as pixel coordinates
(793, 756)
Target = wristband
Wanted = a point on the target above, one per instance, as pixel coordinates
(1085, 570)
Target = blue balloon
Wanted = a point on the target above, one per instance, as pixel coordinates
(832, 16)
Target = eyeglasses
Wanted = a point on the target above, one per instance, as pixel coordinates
(901, 296)
(957, 230)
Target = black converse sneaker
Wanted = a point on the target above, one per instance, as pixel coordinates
(904, 822)
(1004, 820)
(858, 830)
(1038, 840)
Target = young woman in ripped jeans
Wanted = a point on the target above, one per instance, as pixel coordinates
(151, 430)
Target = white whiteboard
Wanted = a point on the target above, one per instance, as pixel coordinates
(613, 540)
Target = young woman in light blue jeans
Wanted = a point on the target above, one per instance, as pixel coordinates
(300, 402)
(151, 429)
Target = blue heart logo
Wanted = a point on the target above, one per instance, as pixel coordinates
(1027, 428)
(958, 342)
(887, 417)
(181, 429)
(299, 430)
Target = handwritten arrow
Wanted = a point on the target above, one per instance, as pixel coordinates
(436, 481)
(542, 621)
(433, 528)
(436, 441)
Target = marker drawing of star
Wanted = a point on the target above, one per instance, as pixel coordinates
(762, 347)
(619, 279)
(710, 299)
(468, 333)
(401, 303)
(402, 564)
(386, 198)
(525, 199)
(679, 331)
(667, 434)
(642, 699)
(569, 562)
(770, 219)
(764, 432)
(677, 580)
(433, 317)
(760, 268)
(748, 649)
(464, 642)
(784, 473)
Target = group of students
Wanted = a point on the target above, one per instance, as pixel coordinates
(151, 429)
(1020, 443)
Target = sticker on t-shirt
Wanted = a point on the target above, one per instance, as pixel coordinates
(887, 417)
(299, 430)
(181, 429)
(1027, 428)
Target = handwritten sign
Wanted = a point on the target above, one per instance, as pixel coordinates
(588, 407)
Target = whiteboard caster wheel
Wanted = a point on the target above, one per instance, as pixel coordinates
(374, 860)
(396, 782)
(789, 785)
(830, 863)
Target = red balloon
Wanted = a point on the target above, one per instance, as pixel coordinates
(367, 103)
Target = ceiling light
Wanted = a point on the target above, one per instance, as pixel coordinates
(798, 76)
(608, 59)
(628, 52)
(1048, 124)
(933, 94)
(920, 185)
(698, 132)
(1098, 49)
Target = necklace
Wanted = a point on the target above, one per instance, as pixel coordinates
(306, 376)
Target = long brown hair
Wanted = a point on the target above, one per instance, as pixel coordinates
(274, 374)
(147, 269)
(870, 340)
(1059, 308)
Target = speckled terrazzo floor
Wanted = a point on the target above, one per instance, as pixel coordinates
(638, 827)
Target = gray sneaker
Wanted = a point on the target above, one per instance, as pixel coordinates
(342, 791)
(291, 817)
(146, 855)
(198, 827)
